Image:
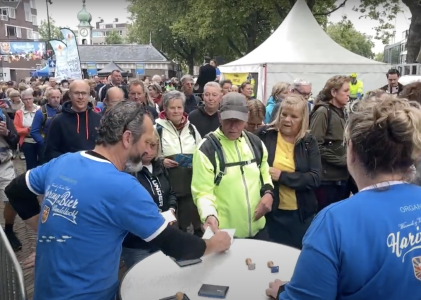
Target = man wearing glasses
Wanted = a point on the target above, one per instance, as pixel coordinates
(75, 129)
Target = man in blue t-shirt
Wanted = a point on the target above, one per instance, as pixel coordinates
(89, 207)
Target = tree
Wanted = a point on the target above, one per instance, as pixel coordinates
(385, 11)
(345, 34)
(55, 31)
(379, 57)
(114, 38)
(188, 30)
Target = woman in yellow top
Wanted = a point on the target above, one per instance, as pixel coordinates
(294, 158)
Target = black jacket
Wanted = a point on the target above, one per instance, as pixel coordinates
(191, 104)
(13, 138)
(207, 73)
(203, 121)
(70, 131)
(305, 179)
(158, 186)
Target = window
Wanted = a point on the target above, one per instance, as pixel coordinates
(102, 26)
(4, 14)
(12, 13)
(29, 34)
(13, 31)
(33, 4)
(35, 35)
(28, 13)
(120, 32)
(34, 20)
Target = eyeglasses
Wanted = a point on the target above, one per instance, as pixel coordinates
(83, 94)
(306, 96)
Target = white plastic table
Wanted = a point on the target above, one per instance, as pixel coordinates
(157, 276)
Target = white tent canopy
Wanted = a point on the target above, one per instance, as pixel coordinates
(300, 48)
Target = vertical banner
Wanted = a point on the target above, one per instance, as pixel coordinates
(73, 59)
(92, 69)
(62, 70)
(140, 69)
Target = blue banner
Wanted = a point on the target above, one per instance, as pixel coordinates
(73, 59)
(140, 69)
(23, 48)
(91, 68)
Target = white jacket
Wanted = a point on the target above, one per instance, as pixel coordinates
(173, 142)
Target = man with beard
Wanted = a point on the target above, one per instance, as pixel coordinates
(81, 228)
(75, 129)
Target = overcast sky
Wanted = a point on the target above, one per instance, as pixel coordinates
(66, 15)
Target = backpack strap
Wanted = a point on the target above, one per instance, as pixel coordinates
(255, 144)
(216, 145)
(159, 129)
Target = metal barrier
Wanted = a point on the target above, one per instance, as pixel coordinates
(12, 284)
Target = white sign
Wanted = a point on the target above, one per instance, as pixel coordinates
(5, 74)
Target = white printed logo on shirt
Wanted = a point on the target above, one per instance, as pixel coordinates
(62, 202)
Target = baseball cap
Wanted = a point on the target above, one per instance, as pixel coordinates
(234, 106)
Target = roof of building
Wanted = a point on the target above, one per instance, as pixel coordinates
(84, 16)
(120, 53)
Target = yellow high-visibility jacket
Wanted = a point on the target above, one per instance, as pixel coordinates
(355, 89)
(235, 199)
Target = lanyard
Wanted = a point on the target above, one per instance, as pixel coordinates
(381, 185)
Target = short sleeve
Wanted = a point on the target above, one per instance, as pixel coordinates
(138, 213)
(36, 178)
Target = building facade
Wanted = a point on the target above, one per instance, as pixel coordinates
(18, 30)
(102, 29)
(395, 55)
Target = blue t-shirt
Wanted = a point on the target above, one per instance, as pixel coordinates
(365, 247)
(88, 209)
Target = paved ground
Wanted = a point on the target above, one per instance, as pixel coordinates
(28, 239)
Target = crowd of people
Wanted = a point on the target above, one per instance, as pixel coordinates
(105, 159)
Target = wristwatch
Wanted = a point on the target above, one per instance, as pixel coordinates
(281, 289)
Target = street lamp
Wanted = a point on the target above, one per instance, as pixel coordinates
(48, 18)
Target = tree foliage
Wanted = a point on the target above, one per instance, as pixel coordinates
(379, 57)
(113, 38)
(189, 30)
(345, 34)
(384, 12)
(55, 30)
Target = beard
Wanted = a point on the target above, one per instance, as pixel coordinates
(134, 164)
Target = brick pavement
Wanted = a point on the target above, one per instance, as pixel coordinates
(28, 239)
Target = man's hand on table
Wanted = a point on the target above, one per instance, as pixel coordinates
(220, 242)
(273, 289)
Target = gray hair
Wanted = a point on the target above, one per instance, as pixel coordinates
(212, 84)
(27, 92)
(155, 77)
(185, 78)
(172, 95)
(125, 115)
(299, 83)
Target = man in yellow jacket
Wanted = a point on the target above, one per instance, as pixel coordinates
(231, 185)
(356, 87)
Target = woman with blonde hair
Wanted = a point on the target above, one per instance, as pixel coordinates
(327, 124)
(279, 92)
(294, 158)
(362, 247)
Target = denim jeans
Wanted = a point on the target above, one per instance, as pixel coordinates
(30, 150)
(132, 256)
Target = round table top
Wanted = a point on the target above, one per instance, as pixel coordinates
(158, 276)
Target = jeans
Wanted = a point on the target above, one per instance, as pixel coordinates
(132, 256)
(30, 150)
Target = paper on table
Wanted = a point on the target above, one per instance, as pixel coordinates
(168, 216)
(209, 233)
